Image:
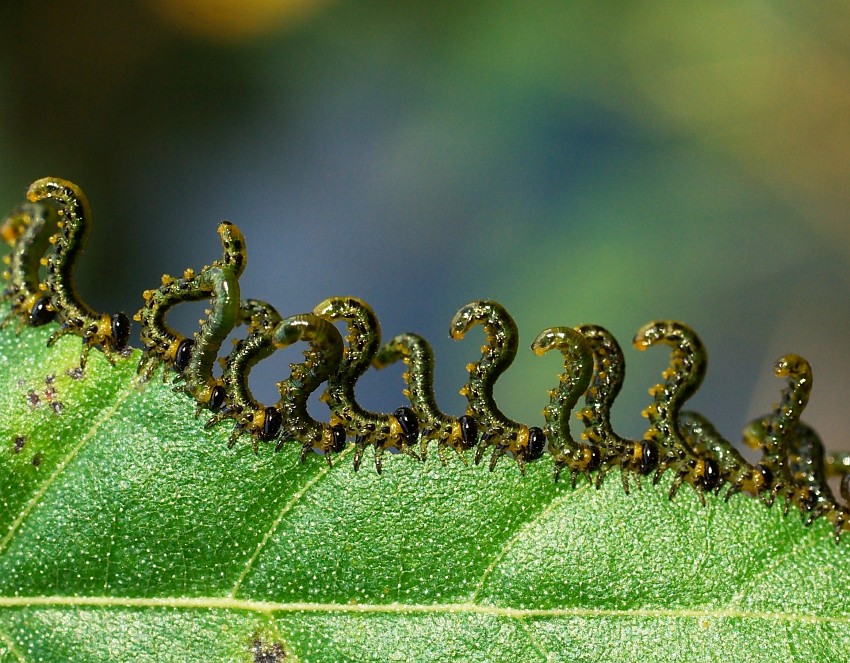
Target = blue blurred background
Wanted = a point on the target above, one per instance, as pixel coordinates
(577, 162)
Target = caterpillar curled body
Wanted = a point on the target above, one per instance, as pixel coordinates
(578, 457)
(221, 285)
(458, 433)
(29, 227)
(772, 433)
(809, 490)
(250, 416)
(50, 229)
(109, 331)
(321, 361)
(681, 379)
(634, 457)
(381, 431)
(163, 344)
(755, 480)
(501, 340)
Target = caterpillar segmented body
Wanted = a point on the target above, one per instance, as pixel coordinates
(634, 457)
(772, 433)
(250, 416)
(321, 361)
(381, 431)
(110, 331)
(29, 227)
(809, 490)
(578, 457)
(733, 467)
(222, 287)
(163, 344)
(458, 433)
(681, 379)
(50, 229)
(501, 340)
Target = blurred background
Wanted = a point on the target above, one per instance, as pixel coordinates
(576, 162)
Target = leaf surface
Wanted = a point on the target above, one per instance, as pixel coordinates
(129, 533)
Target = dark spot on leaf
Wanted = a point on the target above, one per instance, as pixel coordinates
(36, 460)
(56, 406)
(33, 398)
(49, 379)
(76, 373)
(20, 442)
(267, 652)
(49, 393)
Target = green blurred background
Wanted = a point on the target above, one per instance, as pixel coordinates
(577, 161)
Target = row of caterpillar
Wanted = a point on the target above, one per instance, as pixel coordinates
(50, 228)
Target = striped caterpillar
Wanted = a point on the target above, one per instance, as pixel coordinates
(50, 227)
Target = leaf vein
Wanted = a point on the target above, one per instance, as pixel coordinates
(270, 607)
(36, 498)
(296, 497)
(512, 541)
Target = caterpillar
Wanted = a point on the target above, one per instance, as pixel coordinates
(579, 457)
(497, 430)
(29, 228)
(793, 466)
(322, 359)
(733, 467)
(773, 433)
(458, 433)
(110, 331)
(222, 286)
(681, 379)
(162, 344)
(382, 431)
(239, 404)
(809, 490)
(635, 457)
(797, 450)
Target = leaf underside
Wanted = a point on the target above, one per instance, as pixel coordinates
(129, 533)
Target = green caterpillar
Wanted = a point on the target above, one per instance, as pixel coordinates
(755, 480)
(50, 228)
(458, 433)
(381, 431)
(29, 228)
(579, 457)
(634, 457)
(261, 422)
(681, 379)
(501, 340)
(162, 344)
(322, 360)
(110, 331)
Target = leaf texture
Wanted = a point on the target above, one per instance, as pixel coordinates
(129, 533)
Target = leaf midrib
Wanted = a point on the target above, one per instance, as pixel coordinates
(270, 607)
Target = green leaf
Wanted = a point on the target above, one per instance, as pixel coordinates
(128, 533)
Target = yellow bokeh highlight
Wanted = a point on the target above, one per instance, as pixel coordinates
(231, 20)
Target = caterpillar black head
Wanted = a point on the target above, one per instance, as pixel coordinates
(468, 431)
(42, 312)
(183, 354)
(120, 326)
(536, 444)
(409, 423)
(272, 422)
(648, 457)
(338, 434)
